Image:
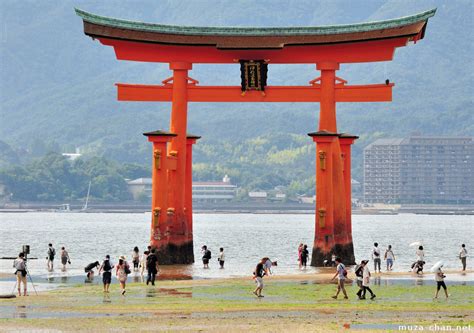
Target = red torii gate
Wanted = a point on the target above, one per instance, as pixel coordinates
(180, 46)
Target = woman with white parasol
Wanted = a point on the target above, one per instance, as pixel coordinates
(439, 278)
(417, 266)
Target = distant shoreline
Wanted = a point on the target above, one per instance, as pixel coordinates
(236, 208)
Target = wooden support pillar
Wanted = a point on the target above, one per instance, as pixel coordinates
(159, 186)
(191, 139)
(324, 227)
(331, 206)
(346, 140)
(178, 249)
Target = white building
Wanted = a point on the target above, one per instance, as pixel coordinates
(202, 191)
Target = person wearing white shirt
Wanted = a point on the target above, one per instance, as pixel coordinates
(420, 254)
(390, 257)
(463, 256)
(376, 257)
(221, 257)
(366, 283)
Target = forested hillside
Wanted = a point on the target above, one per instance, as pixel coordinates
(57, 87)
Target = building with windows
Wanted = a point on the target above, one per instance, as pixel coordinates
(214, 191)
(428, 170)
(202, 191)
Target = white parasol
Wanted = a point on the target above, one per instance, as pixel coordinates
(417, 243)
(437, 266)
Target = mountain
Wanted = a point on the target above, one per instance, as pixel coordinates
(57, 85)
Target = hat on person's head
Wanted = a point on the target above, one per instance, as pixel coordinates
(122, 258)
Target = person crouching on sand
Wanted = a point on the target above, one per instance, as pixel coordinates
(258, 277)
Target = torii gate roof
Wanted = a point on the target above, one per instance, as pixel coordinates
(362, 42)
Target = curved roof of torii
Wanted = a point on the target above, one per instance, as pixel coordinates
(412, 27)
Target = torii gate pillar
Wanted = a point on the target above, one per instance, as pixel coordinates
(333, 231)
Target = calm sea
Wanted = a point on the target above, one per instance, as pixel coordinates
(246, 238)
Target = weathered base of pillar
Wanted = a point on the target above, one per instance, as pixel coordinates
(345, 252)
(172, 254)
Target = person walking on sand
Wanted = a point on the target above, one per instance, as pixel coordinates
(258, 274)
(51, 253)
(122, 271)
(341, 274)
(366, 282)
(221, 257)
(304, 256)
(300, 250)
(389, 257)
(106, 268)
(143, 260)
(439, 278)
(20, 271)
(65, 258)
(376, 257)
(463, 256)
(152, 267)
(359, 273)
(135, 258)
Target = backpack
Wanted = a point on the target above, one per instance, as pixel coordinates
(358, 270)
(107, 266)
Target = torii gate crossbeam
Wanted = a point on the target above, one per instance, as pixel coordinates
(182, 46)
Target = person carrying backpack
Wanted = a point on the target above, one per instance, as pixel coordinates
(341, 274)
(376, 257)
(152, 267)
(50, 256)
(107, 268)
(206, 256)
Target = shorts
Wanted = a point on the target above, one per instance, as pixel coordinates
(440, 284)
(389, 262)
(107, 277)
(259, 282)
(205, 261)
(20, 279)
(64, 260)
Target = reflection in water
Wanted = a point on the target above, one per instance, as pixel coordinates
(175, 292)
(419, 282)
(64, 278)
(377, 281)
(175, 272)
(106, 298)
(137, 278)
(20, 312)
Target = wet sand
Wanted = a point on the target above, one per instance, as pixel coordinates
(297, 303)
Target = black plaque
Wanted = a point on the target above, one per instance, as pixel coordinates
(253, 74)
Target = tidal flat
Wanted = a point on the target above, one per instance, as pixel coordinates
(296, 304)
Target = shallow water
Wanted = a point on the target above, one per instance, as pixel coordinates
(245, 237)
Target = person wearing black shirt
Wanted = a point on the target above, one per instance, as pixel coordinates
(206, 256)
(304, 255)
(258, 276)
(89, 269)
(359, 272)
(152, 267)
